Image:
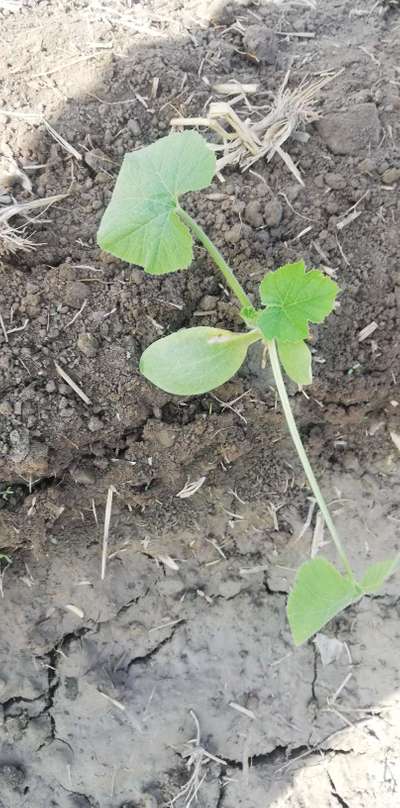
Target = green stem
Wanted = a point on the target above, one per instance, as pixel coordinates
(216, 256)
(294, 433)
(238, 290)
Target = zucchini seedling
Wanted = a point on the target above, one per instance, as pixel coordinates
(144, 224)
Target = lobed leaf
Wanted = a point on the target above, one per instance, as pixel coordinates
(296, 361)
(320, 592)
(195, 360)
(140, 224)
(293, 298)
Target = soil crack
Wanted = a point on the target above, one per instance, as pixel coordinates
(336, 794)
(144, 657)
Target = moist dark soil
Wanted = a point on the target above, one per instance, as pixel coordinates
(100, 677)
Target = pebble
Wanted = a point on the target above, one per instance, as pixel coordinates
(82, 476)
(6, 408)
(95, 424)
(88, 344)
(133, 126)
(165, 437)
(208, 302)
(75, 294)
(252, 213)
(262, 43)
(234, 234)
(350, 132)
(19, 440)
(335, 181)
(391, 175)
(273, 213)
(367, 166)
(292, 191)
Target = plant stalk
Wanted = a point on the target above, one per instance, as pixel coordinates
(216, 256)
(241, 295)
(294, 433)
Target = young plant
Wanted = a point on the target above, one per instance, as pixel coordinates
(145, 224)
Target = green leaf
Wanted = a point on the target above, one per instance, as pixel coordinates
(249, 314)
(296, 360)
(320, 592)
(294, 297)
(140, 225)
(195, 360)
(377, 574)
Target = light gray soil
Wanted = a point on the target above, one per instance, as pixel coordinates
(180, 664)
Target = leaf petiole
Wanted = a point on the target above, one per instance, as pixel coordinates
(294, 433)
(245, 301)
(216, 256)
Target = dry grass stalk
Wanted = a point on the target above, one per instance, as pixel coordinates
(312, 4)
(245, 142)
(107, 522)
(367, 331)
(36, 118)
(197, 758)
(190, 488)
(13, 238)
(11, 5)
(131, 17)
(72, 384)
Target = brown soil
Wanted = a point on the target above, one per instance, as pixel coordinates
(99, 678)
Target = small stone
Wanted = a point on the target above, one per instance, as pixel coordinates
(292, 191)
(102, 178)
(19, 440)
(96, 159)
(67, 413)
(82, 476)
(208, 303)
(350, 132)
(261, 42)
(135, 276)
(335, 181)
(149, 801)
(165, 437)
(367, 166)
(31, 303)
(95, 424)
(88, 344)
(234, 234)
(12, 775)
(133, 126)
(252, 213)
(273, 213)
(391, 175)
(6, 408)
(75, 294)
(51, 386)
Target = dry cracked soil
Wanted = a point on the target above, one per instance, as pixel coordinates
(174, 681)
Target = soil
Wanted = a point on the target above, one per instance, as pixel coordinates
(105, 683)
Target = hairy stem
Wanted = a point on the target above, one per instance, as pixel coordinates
(294, 433)
(241, 295)
(216, 256)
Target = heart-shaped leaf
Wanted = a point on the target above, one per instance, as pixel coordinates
(377, 574)
(319, 593)
(294, 298)
(140, 225)
(296, 360)
(195, 360)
